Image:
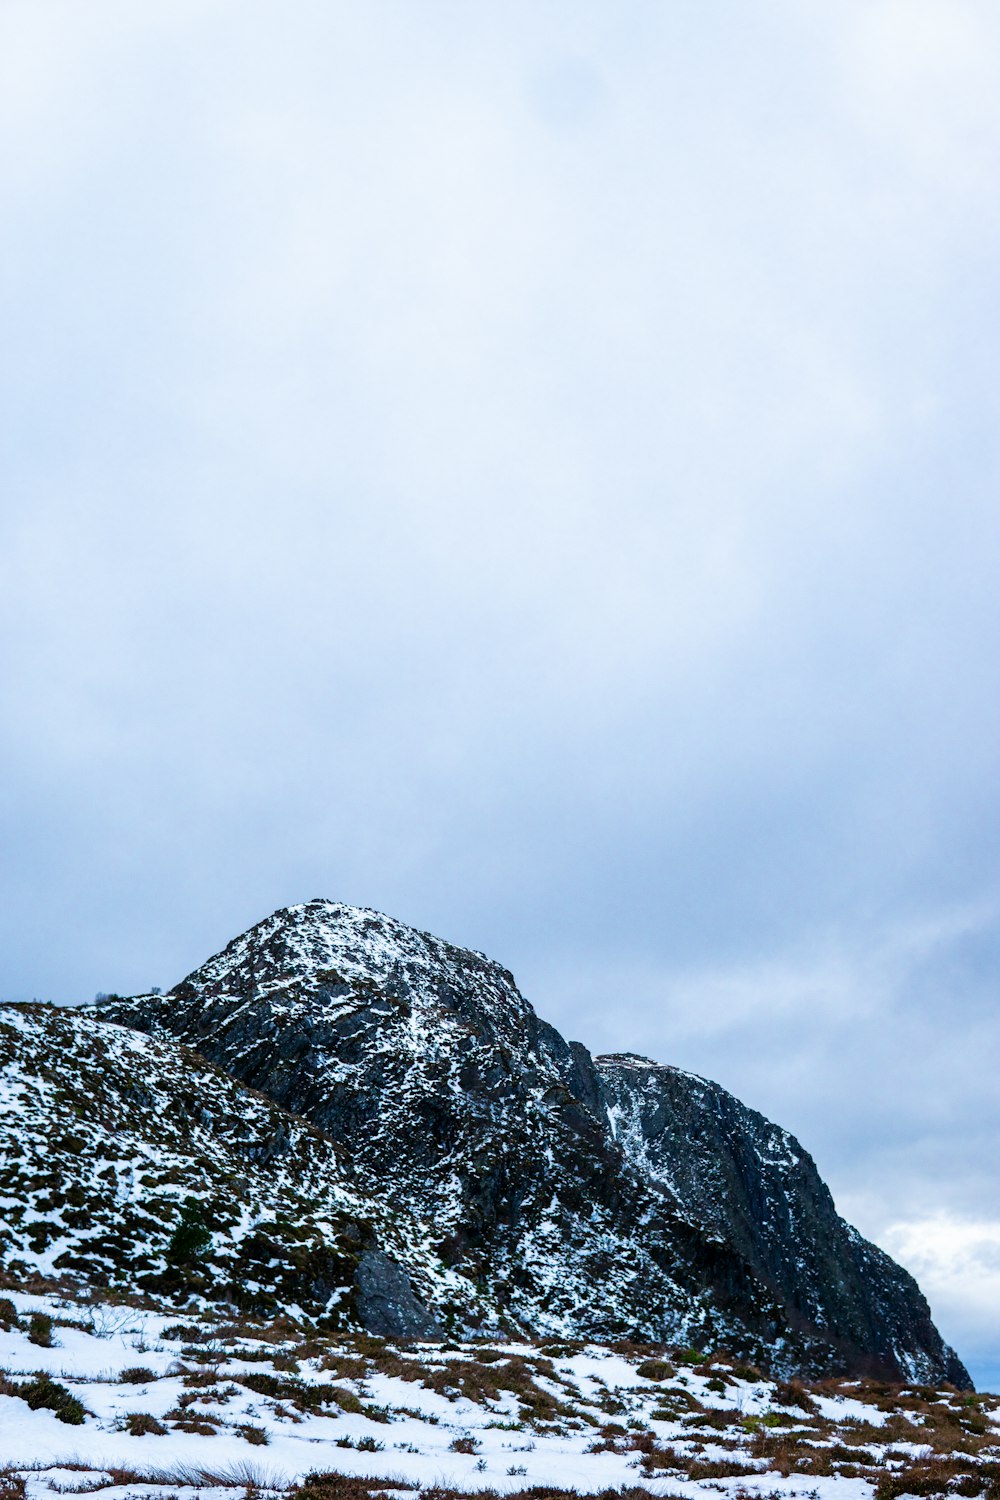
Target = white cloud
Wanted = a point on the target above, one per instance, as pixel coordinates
(923, 78)
(957, 1263)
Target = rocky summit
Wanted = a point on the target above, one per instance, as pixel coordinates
(492, 1174)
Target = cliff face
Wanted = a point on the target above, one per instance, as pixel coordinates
(601, 1200)
(749, 1181)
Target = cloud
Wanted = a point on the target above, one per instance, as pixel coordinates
(533, 472)
(920, 76)
(958, 1266)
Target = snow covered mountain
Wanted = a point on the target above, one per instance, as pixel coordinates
(595, 1198)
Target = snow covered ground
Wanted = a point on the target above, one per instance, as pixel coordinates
(185, 1407)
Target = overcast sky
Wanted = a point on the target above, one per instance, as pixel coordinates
(531, 468)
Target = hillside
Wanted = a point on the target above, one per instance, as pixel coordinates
(132, 1164)
(124, 1401)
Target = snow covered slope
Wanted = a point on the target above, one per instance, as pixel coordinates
(131, 1163)
(575, 1197)
(125, 1403)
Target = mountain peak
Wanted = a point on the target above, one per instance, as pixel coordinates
(621, 1197)
(347, 944)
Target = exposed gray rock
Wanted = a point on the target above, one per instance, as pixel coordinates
(384, 1300)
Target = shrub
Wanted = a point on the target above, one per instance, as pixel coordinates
(200, 1425)
(136, 1375)
(794, 1393)
(140, 1423)
(464, 1445)
(40, 1330)
(8, 1315)
(44, 1392)
(255, 1435)
(191, 1238)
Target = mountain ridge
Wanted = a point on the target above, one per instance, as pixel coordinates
(601, 1197)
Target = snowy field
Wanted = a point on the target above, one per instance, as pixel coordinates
(138, 1402)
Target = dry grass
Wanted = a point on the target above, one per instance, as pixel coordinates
(940, 1476)
(345, 1487)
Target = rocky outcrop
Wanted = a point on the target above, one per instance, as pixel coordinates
(599, 1200)
(744, 1178)
(385, 1303)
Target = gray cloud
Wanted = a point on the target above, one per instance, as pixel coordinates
(534, 472)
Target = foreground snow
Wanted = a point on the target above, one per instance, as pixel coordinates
(228, 1405)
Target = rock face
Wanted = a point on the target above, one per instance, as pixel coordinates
(598, 1199)
(385, 1302)
(753, 1184)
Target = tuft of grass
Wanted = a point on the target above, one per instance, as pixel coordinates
(464, 1445)
(142, 1424)
(254, 1435)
